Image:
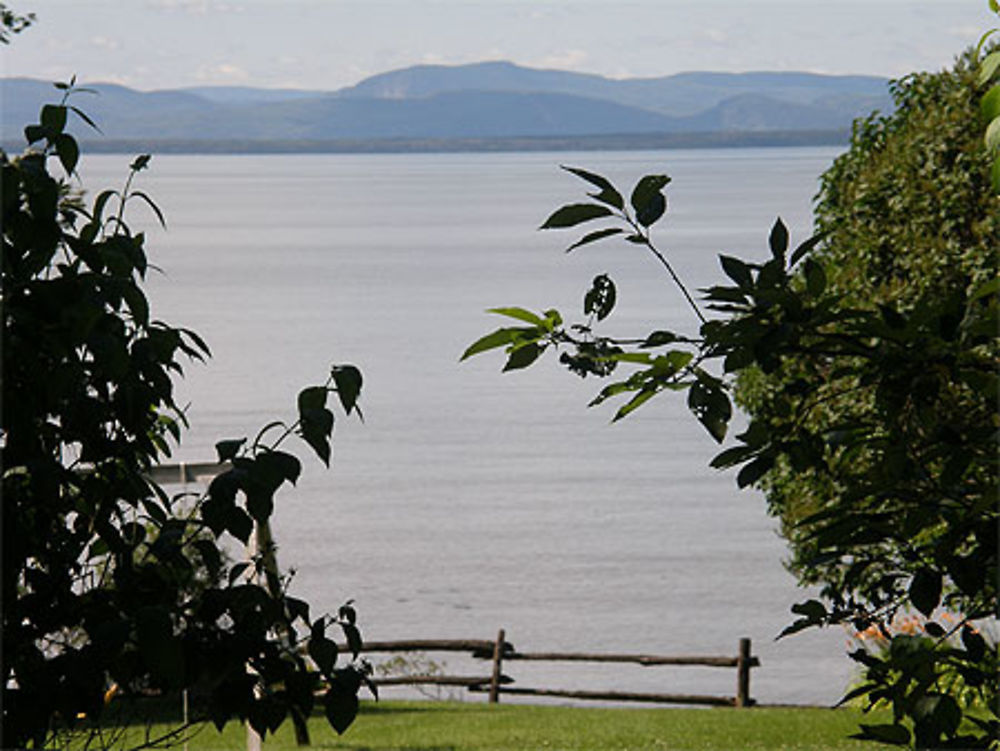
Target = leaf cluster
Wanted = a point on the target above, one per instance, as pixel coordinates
(907, 513)
(107, 580)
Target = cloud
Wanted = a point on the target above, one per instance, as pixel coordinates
(567, 59)
(221, 73)
(105, 43)
(716, 36)
(195, 7)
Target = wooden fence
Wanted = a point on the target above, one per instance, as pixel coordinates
(500, 651)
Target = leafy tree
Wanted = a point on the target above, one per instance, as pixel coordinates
(905, 214)
(98, 561)
(879, 402)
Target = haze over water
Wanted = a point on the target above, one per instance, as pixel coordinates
(471, 500)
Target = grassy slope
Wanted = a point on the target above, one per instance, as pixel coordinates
(426, 726)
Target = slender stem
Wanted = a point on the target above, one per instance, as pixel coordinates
(677, 280)
(666, 264)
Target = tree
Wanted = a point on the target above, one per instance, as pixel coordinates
(903, 477)
(98, 561)
(905, 213)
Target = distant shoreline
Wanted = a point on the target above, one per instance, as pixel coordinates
(621, 142)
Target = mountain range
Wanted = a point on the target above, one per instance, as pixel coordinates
(477, 103)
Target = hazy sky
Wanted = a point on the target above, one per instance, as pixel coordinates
(327, 44)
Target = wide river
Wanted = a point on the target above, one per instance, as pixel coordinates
(470, 500)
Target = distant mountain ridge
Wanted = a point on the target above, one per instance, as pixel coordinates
(479, 101)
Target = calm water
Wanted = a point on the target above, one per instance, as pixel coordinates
(471, 500)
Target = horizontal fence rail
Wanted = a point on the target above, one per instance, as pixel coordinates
(499, 651)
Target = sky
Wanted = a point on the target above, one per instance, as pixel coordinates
(329, 44)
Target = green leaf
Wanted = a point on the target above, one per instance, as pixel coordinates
(988, 67)
(348, 380)
(646, 189)
(499, 338)
(573, 214)
(523, 356)
(67, 151)
(608, 194)
(989, 105)
(520, 314)
(634, 403)
(340, 706)
(53, 118)
(778, 240)
(594, 236)
(925, 590)
(226, 450)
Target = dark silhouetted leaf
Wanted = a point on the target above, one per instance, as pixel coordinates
(53, 118)
(228, 449)
(896, 735)
(348, 380)
(573, 214)
(594, 236)
(925, 590)
(523, 356)
(736, 270)
(652, 210)
(323, 651)
(67, 151)
(608, 194)
(353, 637)
(341, 707)
(600, 298)
(778, 241)
(645, 189)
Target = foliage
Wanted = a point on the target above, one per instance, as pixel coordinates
(989, 72)
(912, 470)
(905, 213)
(98, 561)
(12, 22)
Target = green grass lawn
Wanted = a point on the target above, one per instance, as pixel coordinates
(453, 726)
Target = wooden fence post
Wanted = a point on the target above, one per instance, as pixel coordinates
(743, 664)
(497, 665)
